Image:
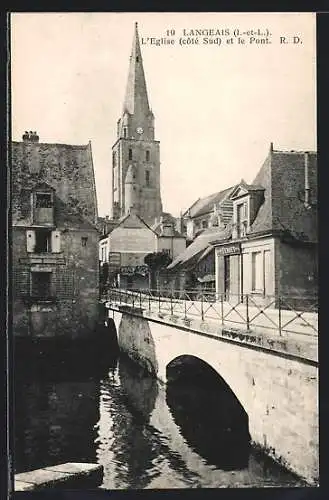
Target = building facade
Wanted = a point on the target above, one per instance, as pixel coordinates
(55, 283)
(211, 211)
(136, 153)
(126, 246)
(273, 247)
(193, 270)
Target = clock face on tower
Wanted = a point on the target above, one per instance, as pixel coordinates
(139, 130)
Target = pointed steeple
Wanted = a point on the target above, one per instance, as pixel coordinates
(136, 100)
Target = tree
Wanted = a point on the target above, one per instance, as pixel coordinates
(155, 262)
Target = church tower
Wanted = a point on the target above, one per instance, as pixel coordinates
(136, 154)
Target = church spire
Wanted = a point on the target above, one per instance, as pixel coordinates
(136, 100)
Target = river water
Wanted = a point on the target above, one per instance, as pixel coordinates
(144, 434)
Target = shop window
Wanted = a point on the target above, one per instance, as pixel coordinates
(257, 272)
(130, 154)
(41, 285)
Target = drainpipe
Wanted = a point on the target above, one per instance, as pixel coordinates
(307, 184)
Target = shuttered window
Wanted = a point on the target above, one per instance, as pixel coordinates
(43, 241)
(55, 241)
(30, 241)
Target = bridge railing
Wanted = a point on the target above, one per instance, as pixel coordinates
(283, 314)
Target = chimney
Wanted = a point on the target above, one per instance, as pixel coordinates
(167, 229)
(307, 183)
(271, 147)
(30, 136)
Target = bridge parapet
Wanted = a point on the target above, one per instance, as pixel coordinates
(183, 315)
(277, 389)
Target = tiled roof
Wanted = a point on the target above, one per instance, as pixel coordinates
(133, 221)
(68, 169)
(200, 244)
(169, 219)
(205, 205)
(283, 177)
(263, 220)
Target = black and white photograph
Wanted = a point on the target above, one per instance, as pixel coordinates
(164, 250)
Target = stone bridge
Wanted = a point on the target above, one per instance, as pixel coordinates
(275, 380)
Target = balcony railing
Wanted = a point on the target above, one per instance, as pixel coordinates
(283, 314)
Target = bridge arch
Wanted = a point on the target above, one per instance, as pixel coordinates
(209, 415)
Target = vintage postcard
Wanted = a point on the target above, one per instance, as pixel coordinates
(164, 250)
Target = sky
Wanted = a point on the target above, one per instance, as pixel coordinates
(217, 106)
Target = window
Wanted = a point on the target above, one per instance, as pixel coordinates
(124, 131)
(114, 159)
(204, 224)
(43, 213)
(147, 177)
(40, 285)
(115, 178)
(42, 241)
(241, 219)
(147, 156)
(84, 240)
(43, 200)
(130, 154)
(257, 273)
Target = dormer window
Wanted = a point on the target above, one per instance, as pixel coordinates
(241, 219)
(43, 200)
(43, 208)
(247, 200)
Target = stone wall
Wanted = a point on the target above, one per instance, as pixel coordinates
(74, 285)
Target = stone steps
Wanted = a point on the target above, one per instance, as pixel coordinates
(69, 475)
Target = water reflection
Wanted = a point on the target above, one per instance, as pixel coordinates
(210, 418)
(191, 434)
(54, 419)
(133, 447)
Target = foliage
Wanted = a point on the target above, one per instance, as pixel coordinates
(157, 260)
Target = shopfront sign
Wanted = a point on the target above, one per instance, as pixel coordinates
(114, 259)
(132, 270)
(233, 249)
